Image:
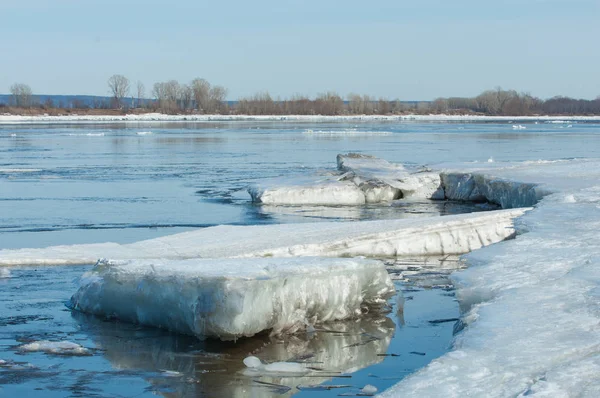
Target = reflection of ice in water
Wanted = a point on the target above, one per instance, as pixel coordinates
(425, 272)
(216, 368)
(395, 210)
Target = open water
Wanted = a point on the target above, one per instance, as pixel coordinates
(67, 184)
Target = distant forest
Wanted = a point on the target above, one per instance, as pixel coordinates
(200, 97)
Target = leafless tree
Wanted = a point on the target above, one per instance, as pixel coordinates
(216, 97)
(21, 95)
(329, 103)
(140, 93)
(119, 87)
(185, 97)
(201, 91)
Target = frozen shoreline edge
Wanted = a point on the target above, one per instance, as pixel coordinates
(158, 117)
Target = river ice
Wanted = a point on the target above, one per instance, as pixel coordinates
(233, 298)
(530, 306)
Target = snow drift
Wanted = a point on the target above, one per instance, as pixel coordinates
(232, 298)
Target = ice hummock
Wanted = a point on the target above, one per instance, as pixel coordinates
(372, 174)
(454, 234)
(362, 179)
(322, 190)
(232, 298)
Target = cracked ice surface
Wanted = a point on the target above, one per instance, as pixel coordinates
(232, 298)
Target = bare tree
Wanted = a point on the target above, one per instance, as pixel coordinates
(140, 93)
(185, 97)
(217, 96)
(119, 87)
(201, 90)
(21, 95)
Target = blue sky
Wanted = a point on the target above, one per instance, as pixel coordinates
(411, 50)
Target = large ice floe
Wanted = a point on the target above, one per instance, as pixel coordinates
(232, 298)
(531, 318)
(454, 234)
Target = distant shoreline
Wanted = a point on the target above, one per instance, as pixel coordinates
(7, 119)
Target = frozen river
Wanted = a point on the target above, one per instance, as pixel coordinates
(69, 184)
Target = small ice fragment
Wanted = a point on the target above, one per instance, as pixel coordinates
(144, 132)
(369, 389)
(55, 347)
(252, 362)
(491, 160)
(285, 367)
(4, 273)
(2, 362)
(171, 373)
(568, 199)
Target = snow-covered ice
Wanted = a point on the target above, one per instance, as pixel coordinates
(363, 179)
(302, 191)
(531, 318)
(232, 298)
(157, 117)
(454, 234)
(55, 347)
(372, 174)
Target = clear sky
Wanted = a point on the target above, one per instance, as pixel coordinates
(411, 50)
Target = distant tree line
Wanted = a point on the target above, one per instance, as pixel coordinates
(500, 102)
(199, 96)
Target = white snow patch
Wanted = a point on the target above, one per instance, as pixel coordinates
(231, 298)
(157, 117)
(518, 127)
(455, 234)
(56, 348)
(144, 133)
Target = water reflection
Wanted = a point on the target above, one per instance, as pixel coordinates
(396, 210)
(177, 365)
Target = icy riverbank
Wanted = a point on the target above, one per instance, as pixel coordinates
(157, 117)
(530, 305)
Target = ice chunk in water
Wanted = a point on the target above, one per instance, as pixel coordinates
(252, 362)
(301, 192)
(369, 389)
(231, 298)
